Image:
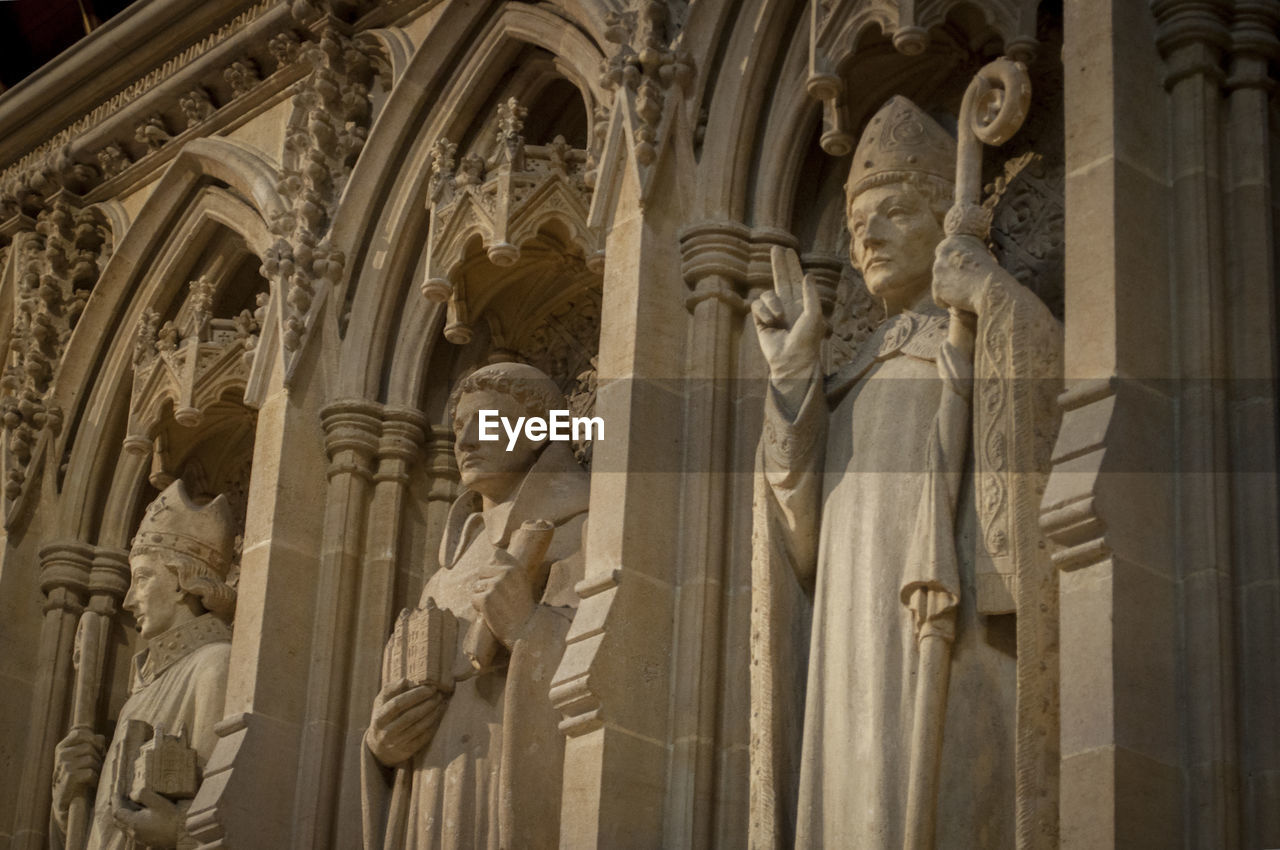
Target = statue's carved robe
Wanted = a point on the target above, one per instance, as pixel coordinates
(491, 775)
(180, 680)
(839, 504)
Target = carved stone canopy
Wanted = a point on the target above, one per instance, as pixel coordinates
(518, 208)
(191, 362)
(840, 27)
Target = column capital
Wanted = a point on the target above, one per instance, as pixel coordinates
(351, 425)
(66, 565)
(1192, 36)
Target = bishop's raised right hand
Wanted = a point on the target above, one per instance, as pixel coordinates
(789, 323)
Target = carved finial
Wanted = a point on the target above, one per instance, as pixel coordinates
(649, 59)
(443, 163)
(144, 347)
(443, 157)
(202, 290)
(511, 117)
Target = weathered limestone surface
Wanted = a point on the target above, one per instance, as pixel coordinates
(249, 249)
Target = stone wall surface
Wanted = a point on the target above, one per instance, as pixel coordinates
(934, 343)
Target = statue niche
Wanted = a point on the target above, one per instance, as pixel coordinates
(463, 746)
(878, 515)
(179, 594)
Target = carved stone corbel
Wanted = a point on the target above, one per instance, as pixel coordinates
(242, 75)
(153, 133)
(196, 106)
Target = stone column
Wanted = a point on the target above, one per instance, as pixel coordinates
(399, 446)
(1251, 308)
(352, 431)
(1191, 37)
(65, 570)
(108, 583)
(714, 261)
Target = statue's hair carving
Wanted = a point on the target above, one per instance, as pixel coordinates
(536, 393)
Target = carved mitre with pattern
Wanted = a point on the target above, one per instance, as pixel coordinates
(175, 524)
(901, 143)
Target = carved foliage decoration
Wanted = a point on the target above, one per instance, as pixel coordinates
(837, 25)
(648, 60)
(192, 362)
(332, 113)
(855, 315)
(50, 166)
(564, 345)
(57, 265)
(505, 201)
(648, 74)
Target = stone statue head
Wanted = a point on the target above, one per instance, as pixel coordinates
(514, 390)
(179, 561)
(899, 190)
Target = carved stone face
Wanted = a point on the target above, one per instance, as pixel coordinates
(154, 598)
(894, 234)
(486, 466)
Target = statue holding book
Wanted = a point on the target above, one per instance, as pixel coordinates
(463, 747)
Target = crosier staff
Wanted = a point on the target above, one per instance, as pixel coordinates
(995, 105)
(88, 659)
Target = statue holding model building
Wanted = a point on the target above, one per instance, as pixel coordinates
(183, 606)
(463, 747)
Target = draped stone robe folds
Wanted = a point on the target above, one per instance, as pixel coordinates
(840, 492)
(491, 774)
(179, 682)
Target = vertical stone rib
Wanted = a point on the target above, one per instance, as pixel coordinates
(1251, 311)
(351, 430)
(403, 430)
(696, 679)
(1190, 37)
(64, 578)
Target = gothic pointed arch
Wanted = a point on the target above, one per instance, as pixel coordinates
(515, 51)
(206, 216)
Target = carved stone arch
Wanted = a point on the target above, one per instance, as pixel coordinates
(783, 142)
(189, 210)
(385, 226)
(760, 72)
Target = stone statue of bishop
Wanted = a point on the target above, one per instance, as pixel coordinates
(877, 543)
